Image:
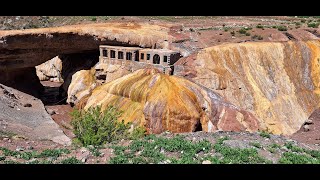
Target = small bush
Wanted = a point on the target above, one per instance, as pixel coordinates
(93, 127)
(313, 25)
(71, 160)
(265, 134)
(243, 31)
(138, 133)
(282, 28)
(232, 33)
(257, 37)
(256, 144)
(293, 158)
(303, 20)
(248, 34)
(93, 19)
(2, 158)
(259, 26)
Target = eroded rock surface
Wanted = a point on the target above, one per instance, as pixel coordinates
(31, 121)
(160, 102)
(50, 70)
(278, 82)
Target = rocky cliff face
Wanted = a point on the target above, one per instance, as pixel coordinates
(29, 48)
(50, 70)
(21, 50)
(278, 82)
(160, 102)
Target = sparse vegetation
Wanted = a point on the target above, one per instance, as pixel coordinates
(259, 37)
(232, 33)
(282, 28)
(293, 158)
(71, 160)
(237, 155)
(242, 31)
(264, 134)
(93, 127)
(256, 144)
(313, 25)
(259, 26)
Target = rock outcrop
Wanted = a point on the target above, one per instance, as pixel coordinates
(32, 47)
(160, 102)
(25, 115)
(50, 70)
(278, 82)
(21, 50)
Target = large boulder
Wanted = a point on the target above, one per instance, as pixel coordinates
(50, 70)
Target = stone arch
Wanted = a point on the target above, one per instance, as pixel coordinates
(156, 59)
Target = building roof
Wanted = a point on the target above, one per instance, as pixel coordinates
(167, 51)
(120, 47)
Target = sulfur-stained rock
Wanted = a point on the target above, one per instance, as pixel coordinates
(82, 84)
(278, 81)
(160, 102)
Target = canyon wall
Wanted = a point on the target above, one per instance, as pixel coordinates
(277, 81)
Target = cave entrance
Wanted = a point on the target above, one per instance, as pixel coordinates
(198, 127)
(51, 94)
(49, 74)
(55, 75)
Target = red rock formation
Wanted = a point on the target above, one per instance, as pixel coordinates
(278, 82)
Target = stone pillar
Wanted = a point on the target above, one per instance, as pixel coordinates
(101, 55)
(133, 55)
(161, 59)
(109, 55)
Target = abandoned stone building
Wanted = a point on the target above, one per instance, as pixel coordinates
(162, 59)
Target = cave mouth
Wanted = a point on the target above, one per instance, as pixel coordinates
(198, 127)
(51, 94)
(55, 86)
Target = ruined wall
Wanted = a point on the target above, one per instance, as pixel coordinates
(277, 82)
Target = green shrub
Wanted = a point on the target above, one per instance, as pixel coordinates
(71, 160)
(313, 25)
(55, 153)
(248, 34)
(259, 26)
(257, 37)
(293, 158)
(282, 28)
(243, 31)
(138, 133)
(93, 19)
(2, 158)
(93, 127)
(293, 148)
(256, 144)
(264, 134)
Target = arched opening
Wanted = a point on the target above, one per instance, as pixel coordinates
(198, 127)
(156, 59)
